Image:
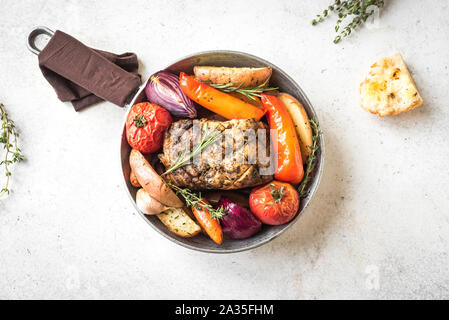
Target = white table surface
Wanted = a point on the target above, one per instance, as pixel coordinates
(377, 228)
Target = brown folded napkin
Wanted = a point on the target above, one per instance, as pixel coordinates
(86, 76)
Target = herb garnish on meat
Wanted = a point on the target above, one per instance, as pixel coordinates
(184, 157)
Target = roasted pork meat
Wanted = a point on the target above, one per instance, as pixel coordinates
(240, 158)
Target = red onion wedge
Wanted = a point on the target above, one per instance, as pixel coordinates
(163, 89)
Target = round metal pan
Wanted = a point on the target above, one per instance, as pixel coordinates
(278, 79)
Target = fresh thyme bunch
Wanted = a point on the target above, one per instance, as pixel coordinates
(311, 159)
(12, 152)
(358, 8)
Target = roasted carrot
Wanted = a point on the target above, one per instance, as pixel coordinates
(209, 224)
(219, 102)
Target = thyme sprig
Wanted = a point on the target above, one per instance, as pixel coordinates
(251, 93)
(357, 8)
(13, 153)
(196, 201)
(311, 159)
(184, 157)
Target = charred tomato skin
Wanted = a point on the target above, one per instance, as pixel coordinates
(147, 136)
(264, 206)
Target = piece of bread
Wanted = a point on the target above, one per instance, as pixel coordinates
(389, 88)
(250, 77)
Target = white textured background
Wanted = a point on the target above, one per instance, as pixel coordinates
(68, 229)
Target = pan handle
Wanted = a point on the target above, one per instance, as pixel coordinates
(38, 39)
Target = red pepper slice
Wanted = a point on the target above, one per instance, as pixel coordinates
(219, 102)
(289, 166)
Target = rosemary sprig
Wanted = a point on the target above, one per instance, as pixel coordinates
(196, 201)
(357, 8)
(184, 157)
(251, 93)
(310, 163)
(12, 152)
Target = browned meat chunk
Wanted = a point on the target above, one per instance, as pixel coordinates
(239, 159)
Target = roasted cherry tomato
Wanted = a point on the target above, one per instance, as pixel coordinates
(145, 126)
(275, 203)
(285, 141)
(219, 102)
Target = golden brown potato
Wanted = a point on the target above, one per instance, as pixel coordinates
(251, 77)
(147, 204)
(151, 181)
(301, 122)
(179, 222)
(133, 180)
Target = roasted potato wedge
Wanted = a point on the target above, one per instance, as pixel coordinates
(147, 204)
(153, 183)
(251, 77)
(301, 122)
(179, 222)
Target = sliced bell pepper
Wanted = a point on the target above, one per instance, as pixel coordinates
(219, 102)
(287, 152)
